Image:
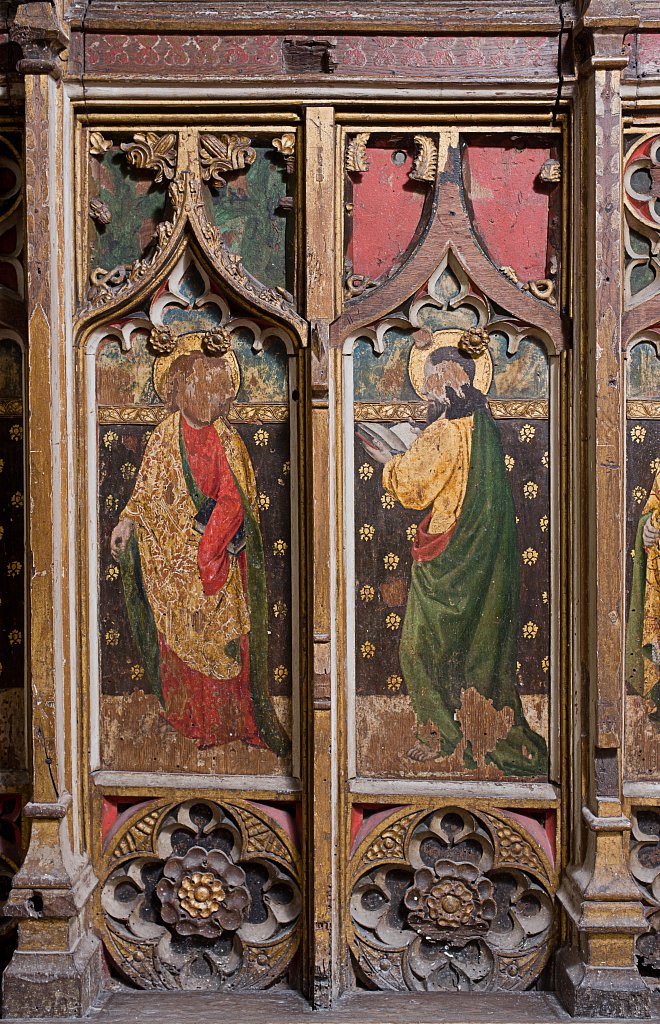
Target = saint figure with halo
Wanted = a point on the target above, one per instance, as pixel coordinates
(191, 555)
(461, 622)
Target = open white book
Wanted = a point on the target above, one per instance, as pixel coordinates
(396, 439)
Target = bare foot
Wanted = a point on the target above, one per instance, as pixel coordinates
(421, 752)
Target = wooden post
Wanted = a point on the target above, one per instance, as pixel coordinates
(56, 968)
(597, 974)
(321, 744)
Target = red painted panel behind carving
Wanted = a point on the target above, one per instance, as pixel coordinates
(510, 206)
(387, 207)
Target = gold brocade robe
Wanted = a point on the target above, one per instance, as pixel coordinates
(199, 628)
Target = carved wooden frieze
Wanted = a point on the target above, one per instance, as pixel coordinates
(451, 900)
(201, 894)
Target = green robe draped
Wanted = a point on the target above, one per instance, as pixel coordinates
(636, 652)
(144, 628)
(461, 623)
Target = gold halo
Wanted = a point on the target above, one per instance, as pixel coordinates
(483, 364)
(185, 344)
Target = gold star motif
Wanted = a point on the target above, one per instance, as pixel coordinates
(393, 621)
(509, 462)
(638, 434)
(391, 561)
(261, 438)
(366, 532)
(367, 592)
(530, 490)
(527, 433)
(530, 629)
(366, 471)
(530, 556)
(368, 650)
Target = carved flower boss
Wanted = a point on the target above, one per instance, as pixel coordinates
(450, 902)
(203, 893)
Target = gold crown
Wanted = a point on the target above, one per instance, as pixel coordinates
(169, 346)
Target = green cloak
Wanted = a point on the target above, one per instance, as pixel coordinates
(461, 623)
(144, 628)
(635, 651)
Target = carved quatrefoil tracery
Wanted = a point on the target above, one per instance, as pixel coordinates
(200, 895)
(453, 900)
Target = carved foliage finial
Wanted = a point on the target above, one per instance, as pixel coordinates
(219, 154)
(356, 154)
(153, 152)
(286, 145)
(425, 166)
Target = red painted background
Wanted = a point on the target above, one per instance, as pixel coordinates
(510, 207)
(387, 207)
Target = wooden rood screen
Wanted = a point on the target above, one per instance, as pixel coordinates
(331, 549)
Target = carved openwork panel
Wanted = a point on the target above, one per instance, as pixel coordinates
(450, 457)
(451, 900)
(642, 216)
(201, 894)
(645, 867)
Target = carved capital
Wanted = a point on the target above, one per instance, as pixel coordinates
(41, 36)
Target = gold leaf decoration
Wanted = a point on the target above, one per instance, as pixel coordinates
(153, 152)
(286, 146)
(98, 145)
(356, 154)
(219, 154)
(425, 166)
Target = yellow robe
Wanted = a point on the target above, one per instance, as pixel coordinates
(196, 626)
(434, 471)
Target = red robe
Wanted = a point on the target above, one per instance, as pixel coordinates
(211, 711)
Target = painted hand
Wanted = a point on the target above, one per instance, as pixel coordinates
(379, 453)
(651, 534)
(120, 537)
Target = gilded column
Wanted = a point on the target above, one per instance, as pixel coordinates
(56, 968)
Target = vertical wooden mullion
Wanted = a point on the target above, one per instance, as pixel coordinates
(319, 721)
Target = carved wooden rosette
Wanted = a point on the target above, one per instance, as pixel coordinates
(122, 286)
(200, 894)
(645, 868)
(452, 899)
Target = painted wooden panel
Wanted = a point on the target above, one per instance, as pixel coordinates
(643, 563)
(196, 537)
(458, 711)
